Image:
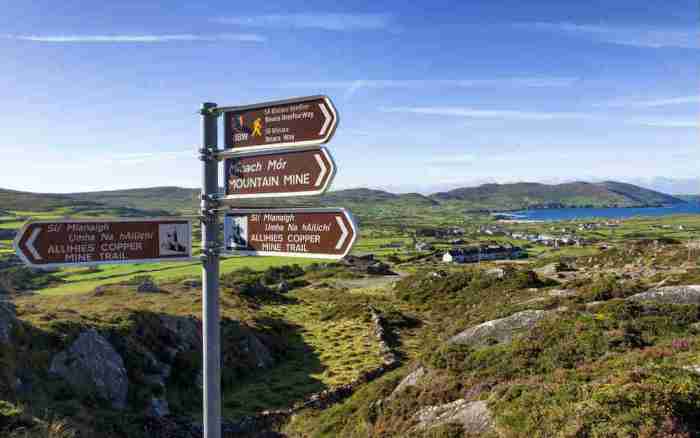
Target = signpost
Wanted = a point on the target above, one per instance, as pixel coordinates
(278, 174)
(305, 121)
(272, 151)
(296, 232)
(51, 244)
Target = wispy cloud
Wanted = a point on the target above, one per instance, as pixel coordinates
(486, 114)
(353, 86)
(324, 21)
(666, 123)
(473, 113)
(625, 35)
(454, 160)
(142, 39)
(651, 103)
(115, 160)
(148, 156)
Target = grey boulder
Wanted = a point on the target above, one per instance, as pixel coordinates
(8, 318)
(256, 351)
(499, 330)
(157, 408)
(413, 379)
(148, 286)
(93, 368)
(184, 332)
(670, 295)
(474, 417)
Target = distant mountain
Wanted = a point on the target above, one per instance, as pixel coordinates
(358, 195)
(690, 198)
(641, 195)
(374, 196)
(37, 202)
(167, 199)
(363, 202)
(67, 204)
(537, 195)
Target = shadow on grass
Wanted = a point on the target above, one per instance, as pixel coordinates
(289, 381)
(127, 275)
(25, 380)
(266, 296)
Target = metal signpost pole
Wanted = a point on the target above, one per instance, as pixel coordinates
(210, 274)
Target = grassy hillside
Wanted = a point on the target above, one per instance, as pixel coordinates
(174, 199)
(536, 195)
(64, 205)
(595, 365)
(25, 201)
(598, 363)
(690, 198)
(639, 194)
(366, 204)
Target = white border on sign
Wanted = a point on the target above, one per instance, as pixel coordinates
(336, 210)
(333, 170)
(325, 139)
(26, 261)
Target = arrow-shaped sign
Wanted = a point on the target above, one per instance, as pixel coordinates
(292, 172)
(305, 121)
(32, 241)
(344, 231)
(327, 119)
(323, 168)
(326, 233)
(49, 244)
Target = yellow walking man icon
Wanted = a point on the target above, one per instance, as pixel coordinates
(257, 127)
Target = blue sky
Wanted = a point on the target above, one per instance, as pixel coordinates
(103, 95)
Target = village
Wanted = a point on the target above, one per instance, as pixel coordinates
(511, 239)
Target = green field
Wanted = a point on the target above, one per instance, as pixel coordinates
(82, 280)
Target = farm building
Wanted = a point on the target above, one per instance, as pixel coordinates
(485, 252)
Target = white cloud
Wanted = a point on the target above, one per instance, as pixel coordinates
(115, 159)
(143, 39)
(454, 160)
(352, 86)
(324, 21)
(149, 156)
(539, 116)
(486, 114)
(666, 123)
(651, 103)
(624, 35)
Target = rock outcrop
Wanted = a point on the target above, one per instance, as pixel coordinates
(148, 286)
(562, 293)
(184, 333)
(158, 408)
(191, 283)
(93, 368)
(474, 417)
(499, 330)
(496, 272)
(411, 380)
(367, 264)
(256, 351)
(8, 319)
(670, 295)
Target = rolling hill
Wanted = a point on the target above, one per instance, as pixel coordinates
(17, 201)
(365, 202)
(172, 199)
(536, 195)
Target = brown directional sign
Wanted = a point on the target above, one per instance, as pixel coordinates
(305, 121)
(298, 232)
(94, 242)
(278, 174)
